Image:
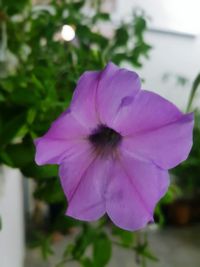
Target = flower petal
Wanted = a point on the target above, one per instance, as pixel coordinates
(166, 146)
(146, 111)
(114, 88)
(133, 192)
(84, 99)
(66, 136)
(84, 180)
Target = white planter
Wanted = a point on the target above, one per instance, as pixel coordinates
(12, 218)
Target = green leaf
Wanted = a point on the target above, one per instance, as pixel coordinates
(84, 239)
(10, 129)
(24, 96)
(121, 36)
(148, 254)
(50, 191)
(143, 250)
(43, 242)
(102, 250)
(38, 84)
(2, 97)
(33, 171)
(31, 116)
(78, 5)
(101, 16)
(139, 26)
(87, 262)
(87, 37)
(126, 237)
(68, 250)
(13, 7)
(46, 248)
(17, 155)
(7, 85)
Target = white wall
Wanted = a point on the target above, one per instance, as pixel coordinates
(172, 53)
(11, 212)
(175, 15)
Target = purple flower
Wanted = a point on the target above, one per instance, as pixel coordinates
(114, 146)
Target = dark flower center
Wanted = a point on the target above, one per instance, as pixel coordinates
(104, 137)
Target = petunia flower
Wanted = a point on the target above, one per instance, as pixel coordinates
(115, 144)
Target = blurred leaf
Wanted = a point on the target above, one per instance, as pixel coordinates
(10, 128)
(84, 239)
(39, 172)
(140, 49)
(101, 16)
(78, 5)
(31, 116)
(68, 250)
(102, 250)
(126, 237)
(143, 250)
(44, 242)
(121, 36)
(148, 254)
(195, 86)
(49, 191)
(38, 84)
(24, 96)
(118, 57)
(6, 85)
(87, 37)
(12, 7)
(171, 194)
(17, 155)
(46, 248)
(87, 262)
(139, 26)
(181, 80)
(2, 97)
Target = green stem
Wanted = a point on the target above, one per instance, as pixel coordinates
(195, 86)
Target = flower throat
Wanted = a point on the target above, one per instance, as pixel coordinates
(104, 137)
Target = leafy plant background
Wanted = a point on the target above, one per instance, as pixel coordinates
(38, 75)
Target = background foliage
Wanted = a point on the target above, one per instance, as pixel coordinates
(39, 73)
